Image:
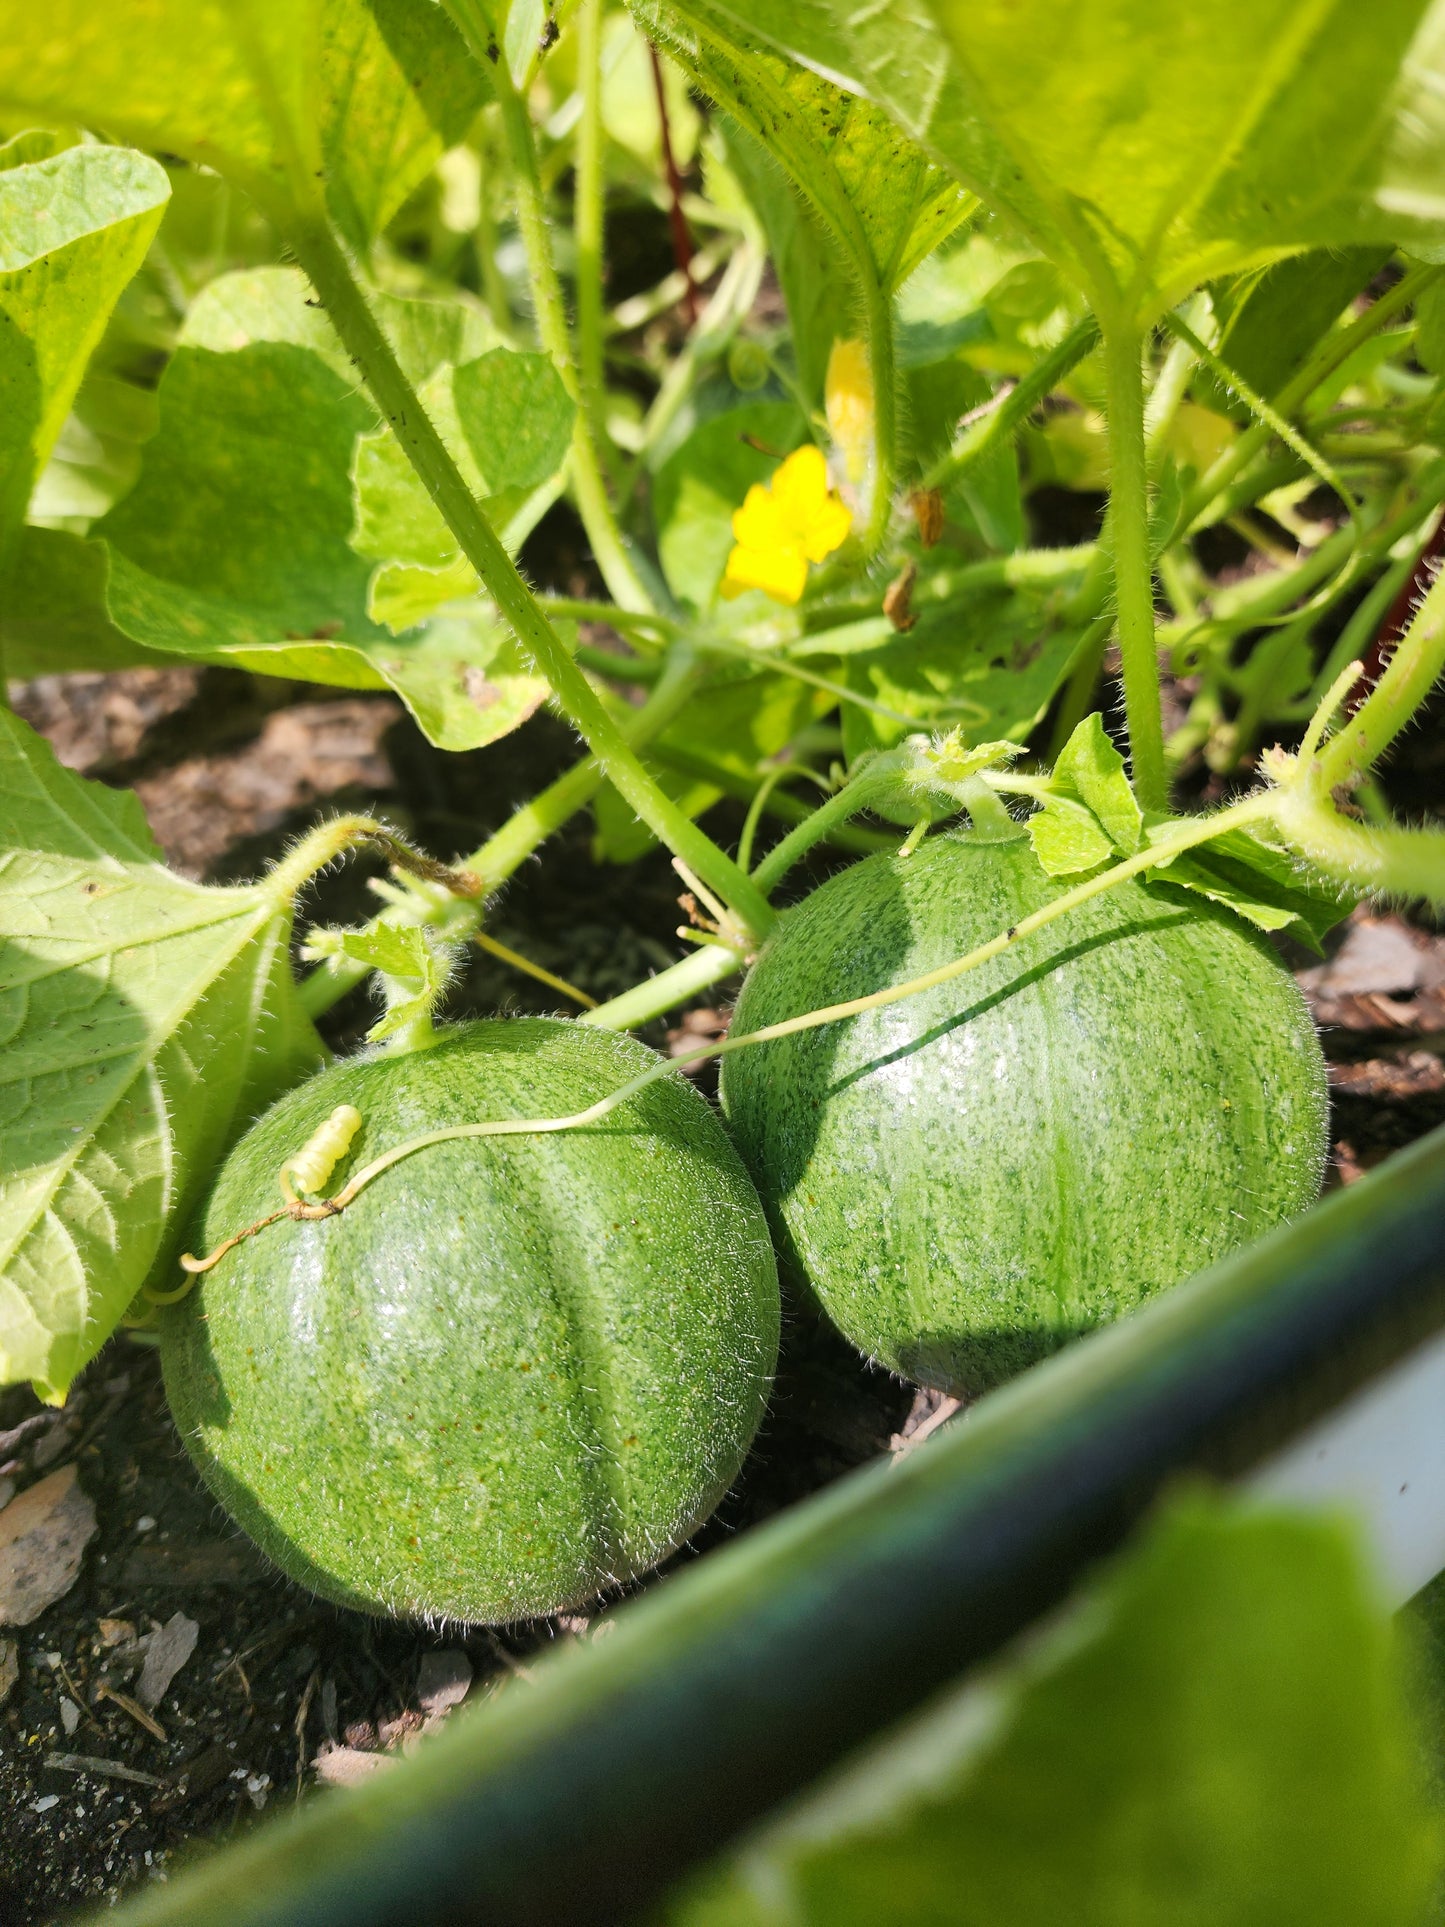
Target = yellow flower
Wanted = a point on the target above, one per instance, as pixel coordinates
(848, 399)
(783, 527)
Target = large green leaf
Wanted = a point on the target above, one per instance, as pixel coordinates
(884, 201)
(274, 93)
(73, 230)
(235, 545)
(144, 1020)
(1153, 144)
(1216, 1736)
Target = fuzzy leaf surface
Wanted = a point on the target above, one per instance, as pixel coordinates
(1149, 146)
(145, 1020)
(885, 202)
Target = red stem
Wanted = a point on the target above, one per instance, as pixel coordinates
(676, 219)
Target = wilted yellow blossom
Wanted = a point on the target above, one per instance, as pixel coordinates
(796, 519)
(848, 399)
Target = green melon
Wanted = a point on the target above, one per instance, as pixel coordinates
(516, 1371)
(974, 1174)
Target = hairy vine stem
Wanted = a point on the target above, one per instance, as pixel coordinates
(321, 255)
(1134, 563)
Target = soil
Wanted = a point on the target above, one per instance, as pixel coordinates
(282, 1693)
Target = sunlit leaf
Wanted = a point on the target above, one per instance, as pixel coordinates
(144, 1020)
(273, 93)
(1153, 144)
(1269, 887)
(73, 230)
(1215, 1736)
(884, 202)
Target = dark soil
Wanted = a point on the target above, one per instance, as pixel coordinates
(280, 1690)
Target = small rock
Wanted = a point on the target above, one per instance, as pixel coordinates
(9, 1668)
(166, 1652)
(115, 1632)
(1377, 955)
(7, 1492)
(43, 1536)
(45, 1803)
(147, 1524)
(55, 1443)
(443, 1681)
(345, 1766)
(69, 1716)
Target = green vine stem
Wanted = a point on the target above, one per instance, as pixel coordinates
(882, 367)
(1022, 399)
(528, 827)
(706, 967)
(1413, 669)
(321, 255)
(1133, 563)
(593, 505)
(1330, 355)
(588, 222)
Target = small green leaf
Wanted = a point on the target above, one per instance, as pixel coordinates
(414, 969)
(516, 415)
(1068, 837)
(1090, 768)
(1267, 886)
(73, 230)
(145, 1021)
(1216, 1735)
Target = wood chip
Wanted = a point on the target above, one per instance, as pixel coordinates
(105, 1691)
(345, 1766)
(107, 1769)
(43, 1536)
(443, 1681)
(166, 1652)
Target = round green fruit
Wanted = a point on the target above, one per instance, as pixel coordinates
(972, 1175)
(515, 1371)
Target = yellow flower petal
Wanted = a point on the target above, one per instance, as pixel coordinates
(760, 522)
(780, 571)
(828, 530)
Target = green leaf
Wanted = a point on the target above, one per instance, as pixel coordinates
(1215, 1736)
(1149, 145)
(1267, 886)
(1068, 837)
(362, 94)
(1090, 768)
(986, 662)
(236, 545)
(516, 415)
(699, 485)
(53, 614)
(884, 202)
(73, 230)
(145, 1021)
(414, 969)
(1270, 320)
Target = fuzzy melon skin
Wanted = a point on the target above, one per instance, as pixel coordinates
(971, 1176)
(516, 1370)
